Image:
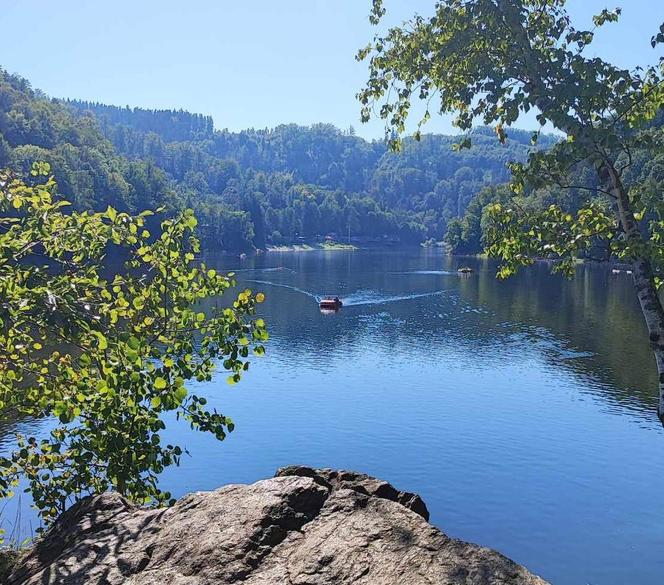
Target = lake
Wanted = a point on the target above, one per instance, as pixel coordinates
(523, 412)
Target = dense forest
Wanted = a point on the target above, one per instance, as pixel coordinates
(254, 188)
(466, 234)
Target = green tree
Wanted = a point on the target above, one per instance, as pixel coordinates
(454, 235)
(468, 235)
(494, 60)
(107, 351)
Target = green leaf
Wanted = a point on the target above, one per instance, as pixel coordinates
(101, 340)
(118, 329)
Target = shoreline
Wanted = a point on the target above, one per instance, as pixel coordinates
(309, 247)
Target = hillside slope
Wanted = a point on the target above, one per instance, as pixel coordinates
(255, 187)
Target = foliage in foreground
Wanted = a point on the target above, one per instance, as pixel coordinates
(107, 352)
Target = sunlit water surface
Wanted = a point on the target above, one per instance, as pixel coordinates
(521, 411)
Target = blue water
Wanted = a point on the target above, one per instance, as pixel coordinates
(523, 412)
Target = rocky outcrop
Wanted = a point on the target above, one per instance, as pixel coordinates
(302, 527)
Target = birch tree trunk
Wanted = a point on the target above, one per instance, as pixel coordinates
(644, 282)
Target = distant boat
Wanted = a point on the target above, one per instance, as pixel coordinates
(465, 270)
(330, 303)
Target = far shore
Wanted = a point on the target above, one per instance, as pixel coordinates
(309, 247)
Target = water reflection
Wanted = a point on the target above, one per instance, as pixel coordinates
(594, 317)
(522, 411)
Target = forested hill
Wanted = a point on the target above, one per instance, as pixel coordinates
(251, 188)
(428, 175)
(171, 125)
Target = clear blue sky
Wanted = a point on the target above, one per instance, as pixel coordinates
(248, 63)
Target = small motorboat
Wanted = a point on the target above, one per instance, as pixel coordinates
(330, 303)
(465, 270)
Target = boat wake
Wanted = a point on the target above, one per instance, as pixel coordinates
(273, 269)
(360, 299)
(317, 298)
(430, 272)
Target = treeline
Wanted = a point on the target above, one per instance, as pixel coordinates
(89, 170)
(172, 125)
(253, 188)
(311, 181)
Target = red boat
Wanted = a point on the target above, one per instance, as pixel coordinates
(330, 303)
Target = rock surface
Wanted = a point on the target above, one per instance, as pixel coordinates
(303, 527)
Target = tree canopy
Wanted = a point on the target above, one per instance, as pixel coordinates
(495, 60)
(107, 347)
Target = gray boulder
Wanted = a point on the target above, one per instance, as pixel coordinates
(303, 527)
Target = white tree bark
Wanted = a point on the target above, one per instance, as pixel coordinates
(644, 282)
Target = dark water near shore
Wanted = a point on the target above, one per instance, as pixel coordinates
(521, 411)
